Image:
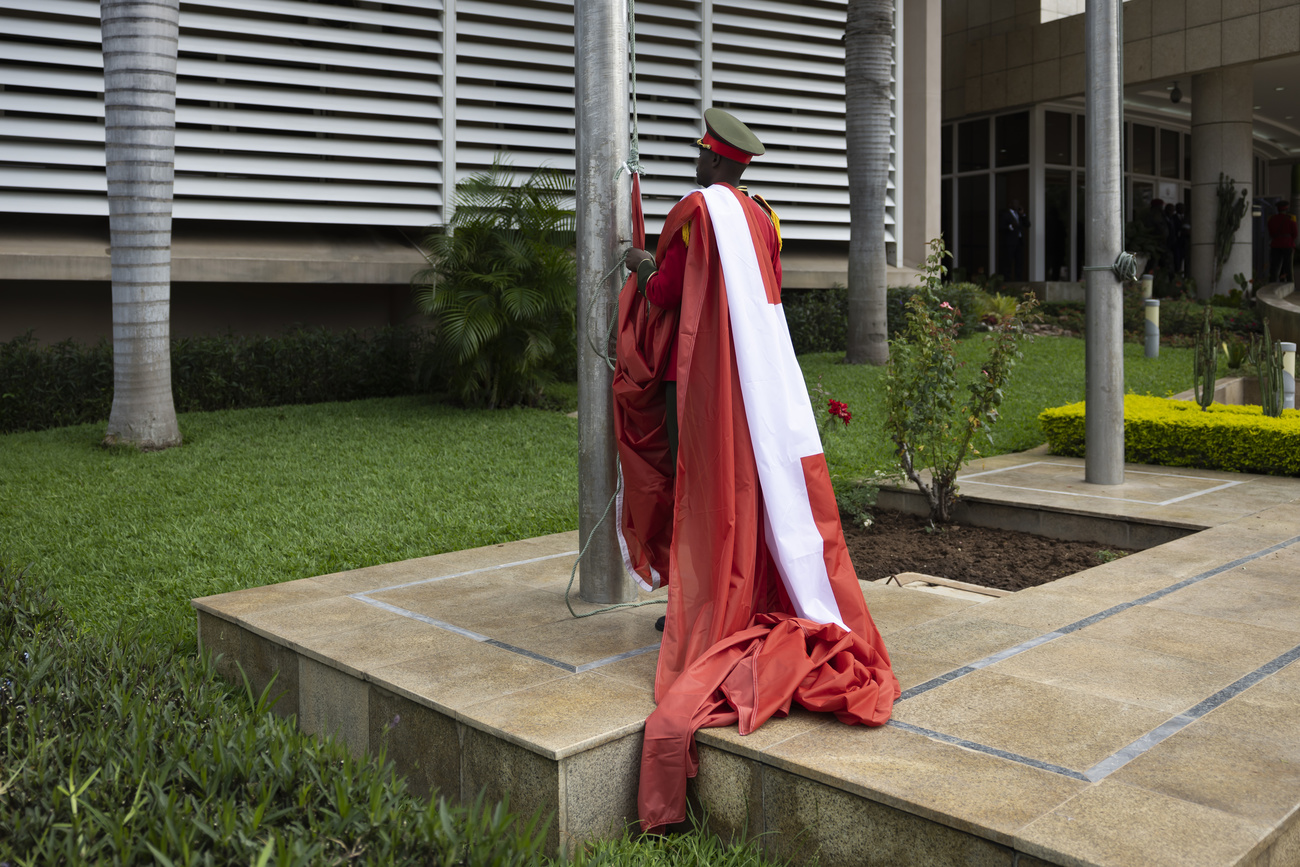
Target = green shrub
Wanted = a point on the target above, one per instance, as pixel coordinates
(1177, 433)
(43, 387)
(966, 298)
(1181, 317)
(934, 407)
(1063, 314)
(120, 751)
(72, 383)
(501, 289)
(819, 318)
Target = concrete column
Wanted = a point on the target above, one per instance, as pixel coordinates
(1222, 120)
(922, 121)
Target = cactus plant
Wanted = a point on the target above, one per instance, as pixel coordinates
(1206, 362)
(1267, 358)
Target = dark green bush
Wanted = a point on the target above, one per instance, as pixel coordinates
(72, 383)
(1183, 317)
(500, 290)
(120, 750)
(66, 383)
(1064, 314)
(819, 318)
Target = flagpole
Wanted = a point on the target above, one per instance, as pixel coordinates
(1103, 212)
(604, 231)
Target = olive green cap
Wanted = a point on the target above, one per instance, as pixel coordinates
(728, 129)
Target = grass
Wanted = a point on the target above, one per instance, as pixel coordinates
(1051, 374)
(259, 496)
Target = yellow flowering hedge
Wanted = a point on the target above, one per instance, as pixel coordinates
(1177, 433)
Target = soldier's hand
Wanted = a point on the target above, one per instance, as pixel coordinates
(636, 256)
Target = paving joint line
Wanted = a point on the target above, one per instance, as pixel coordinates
(1126, 754)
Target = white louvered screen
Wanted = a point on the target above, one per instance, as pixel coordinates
(895, 109)
(330, 111)
(514, 85)
(670, 101)
(287, 111)
(779, 66)
(310, 111)
(51, 108)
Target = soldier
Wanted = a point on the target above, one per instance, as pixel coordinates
(755, 557)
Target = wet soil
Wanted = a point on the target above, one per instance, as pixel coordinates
(1005, 559)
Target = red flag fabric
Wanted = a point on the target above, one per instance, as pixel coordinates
(644, 340)
(756, 556)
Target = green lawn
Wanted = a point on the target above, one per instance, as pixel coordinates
(266, 495)
(1050, 374)
(259, 496)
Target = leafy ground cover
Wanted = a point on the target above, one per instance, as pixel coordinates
(115, 749)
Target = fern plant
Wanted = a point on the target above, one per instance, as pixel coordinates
(501, 288)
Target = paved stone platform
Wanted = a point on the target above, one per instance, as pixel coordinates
(1143, 712)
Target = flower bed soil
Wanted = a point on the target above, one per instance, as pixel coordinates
(1006, 559)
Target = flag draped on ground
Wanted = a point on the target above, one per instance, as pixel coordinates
(763, 605)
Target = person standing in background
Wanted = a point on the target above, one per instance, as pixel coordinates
(1282, 237)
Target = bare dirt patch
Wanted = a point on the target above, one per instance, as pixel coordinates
(1006, 559)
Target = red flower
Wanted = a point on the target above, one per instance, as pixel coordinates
(839, 410)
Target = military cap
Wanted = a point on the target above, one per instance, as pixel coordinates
(728, 137)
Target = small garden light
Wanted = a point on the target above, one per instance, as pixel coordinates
(1288, 375)
(1152, 306)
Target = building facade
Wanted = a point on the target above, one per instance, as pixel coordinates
(316, 139)
(1211, 86)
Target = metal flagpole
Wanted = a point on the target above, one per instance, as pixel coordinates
(604, 230)
(1103, 212)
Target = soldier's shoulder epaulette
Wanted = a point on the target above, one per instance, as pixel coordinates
(776, 221)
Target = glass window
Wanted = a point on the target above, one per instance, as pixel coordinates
(945, 150)
(1012, 194)
(1080, 146)
(1187, 157)
(973, 146)
(1169, 166)
(1057, 138)
(1012, 134)
(1144, 149)
(1144, 192)
(1056, 224)
(973, 225)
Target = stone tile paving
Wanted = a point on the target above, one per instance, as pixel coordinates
(1142, 712)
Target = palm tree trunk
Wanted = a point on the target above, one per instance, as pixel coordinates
(139, 47)
(868, 35)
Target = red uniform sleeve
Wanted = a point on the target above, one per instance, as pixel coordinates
(664, 288)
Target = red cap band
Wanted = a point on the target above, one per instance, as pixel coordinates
(721, 147)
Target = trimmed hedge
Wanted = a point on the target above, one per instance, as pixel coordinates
(819, 318)
(1177, 433)
(72, 383)
(121, 750)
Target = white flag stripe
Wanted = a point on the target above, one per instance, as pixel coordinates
(778, 412)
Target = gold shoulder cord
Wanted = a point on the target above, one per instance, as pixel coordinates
(776, 221)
